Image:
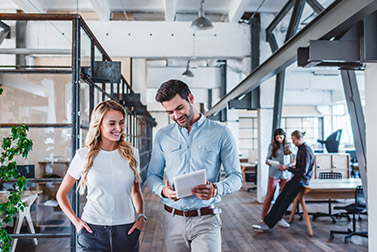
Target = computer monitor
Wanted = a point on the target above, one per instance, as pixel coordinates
(332, 142)
(26, 170)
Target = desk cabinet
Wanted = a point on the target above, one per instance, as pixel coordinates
(247, 170)
(332, 162)
(47, 214)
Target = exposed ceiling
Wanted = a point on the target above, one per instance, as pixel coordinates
(224, 8)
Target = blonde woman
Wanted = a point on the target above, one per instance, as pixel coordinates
(109, 169)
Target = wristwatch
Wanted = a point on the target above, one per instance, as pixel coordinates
(142, 215)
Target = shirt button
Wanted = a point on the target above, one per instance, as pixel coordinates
(187, 161)
(188, 146)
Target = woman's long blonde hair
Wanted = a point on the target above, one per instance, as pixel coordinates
(93, 141)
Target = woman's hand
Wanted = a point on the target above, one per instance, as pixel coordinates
(80, 224)
(139, 224)
(283, 167)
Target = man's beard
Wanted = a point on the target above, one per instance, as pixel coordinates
(189, 117)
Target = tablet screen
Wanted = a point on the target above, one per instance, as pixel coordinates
(184, 183)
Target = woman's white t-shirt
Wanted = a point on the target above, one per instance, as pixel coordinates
(109, 185)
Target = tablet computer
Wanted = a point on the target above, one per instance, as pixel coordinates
(183, 184)
(274, 163)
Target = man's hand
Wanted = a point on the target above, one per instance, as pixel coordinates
(168, 191)
(203, 192)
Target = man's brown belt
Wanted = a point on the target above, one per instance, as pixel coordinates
(192, 213)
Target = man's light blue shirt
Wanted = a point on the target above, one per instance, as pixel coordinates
(206, 146)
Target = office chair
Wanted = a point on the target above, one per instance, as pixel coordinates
(328, 175)
(332, 142)
(359, 207)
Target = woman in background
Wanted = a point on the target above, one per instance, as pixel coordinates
(302, 173)
(109, 168)
(280, 151)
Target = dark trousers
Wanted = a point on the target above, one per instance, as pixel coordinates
(108, 239)
(285, 198)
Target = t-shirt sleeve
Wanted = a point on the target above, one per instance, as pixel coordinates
(76, 166)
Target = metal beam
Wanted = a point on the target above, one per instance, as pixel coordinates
(35, 51)
(102, 9)
(236, 10)
(338, 17)
(5, 32)
(251, 100)
(20, 41)
(370, 38)
(295, 19)
(278, 100)
(169, 10)
(355, 110)
(223, 69)
(75, 133)
(282, 13)
(316, 6)
(255, 41)
(280, 77)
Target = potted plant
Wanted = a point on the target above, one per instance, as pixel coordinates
(15, 144)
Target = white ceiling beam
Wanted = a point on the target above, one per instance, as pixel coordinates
(102, 8)
(169, 10)
(144, 39)
(236, 10)
(30, 6)
(204, 77)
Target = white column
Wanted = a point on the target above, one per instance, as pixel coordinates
(265, 114)
(371, 139)
(139, 78)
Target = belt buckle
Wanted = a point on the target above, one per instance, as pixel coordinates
(185, 213)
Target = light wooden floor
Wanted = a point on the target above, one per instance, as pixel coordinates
(240, 212)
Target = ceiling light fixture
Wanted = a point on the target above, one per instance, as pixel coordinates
(201, 22)
(188, 72)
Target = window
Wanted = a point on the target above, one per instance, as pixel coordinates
(313, 126)
(248, 134)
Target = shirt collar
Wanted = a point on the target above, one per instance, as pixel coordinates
(197, 124)
(201, 120)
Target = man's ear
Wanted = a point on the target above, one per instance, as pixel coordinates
(191, 98)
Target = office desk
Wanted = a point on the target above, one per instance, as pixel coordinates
(28, 198)
(247, 167)
(323, 189)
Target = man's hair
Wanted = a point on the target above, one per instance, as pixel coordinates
(169, 89)
(298, 134)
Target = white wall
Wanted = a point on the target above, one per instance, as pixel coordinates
(139, 78)
(371, 137)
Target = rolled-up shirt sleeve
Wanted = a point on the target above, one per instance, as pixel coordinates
(156, 168)
(230, 160)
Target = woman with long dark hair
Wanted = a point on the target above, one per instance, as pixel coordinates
(279, 150)
(109, 170)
